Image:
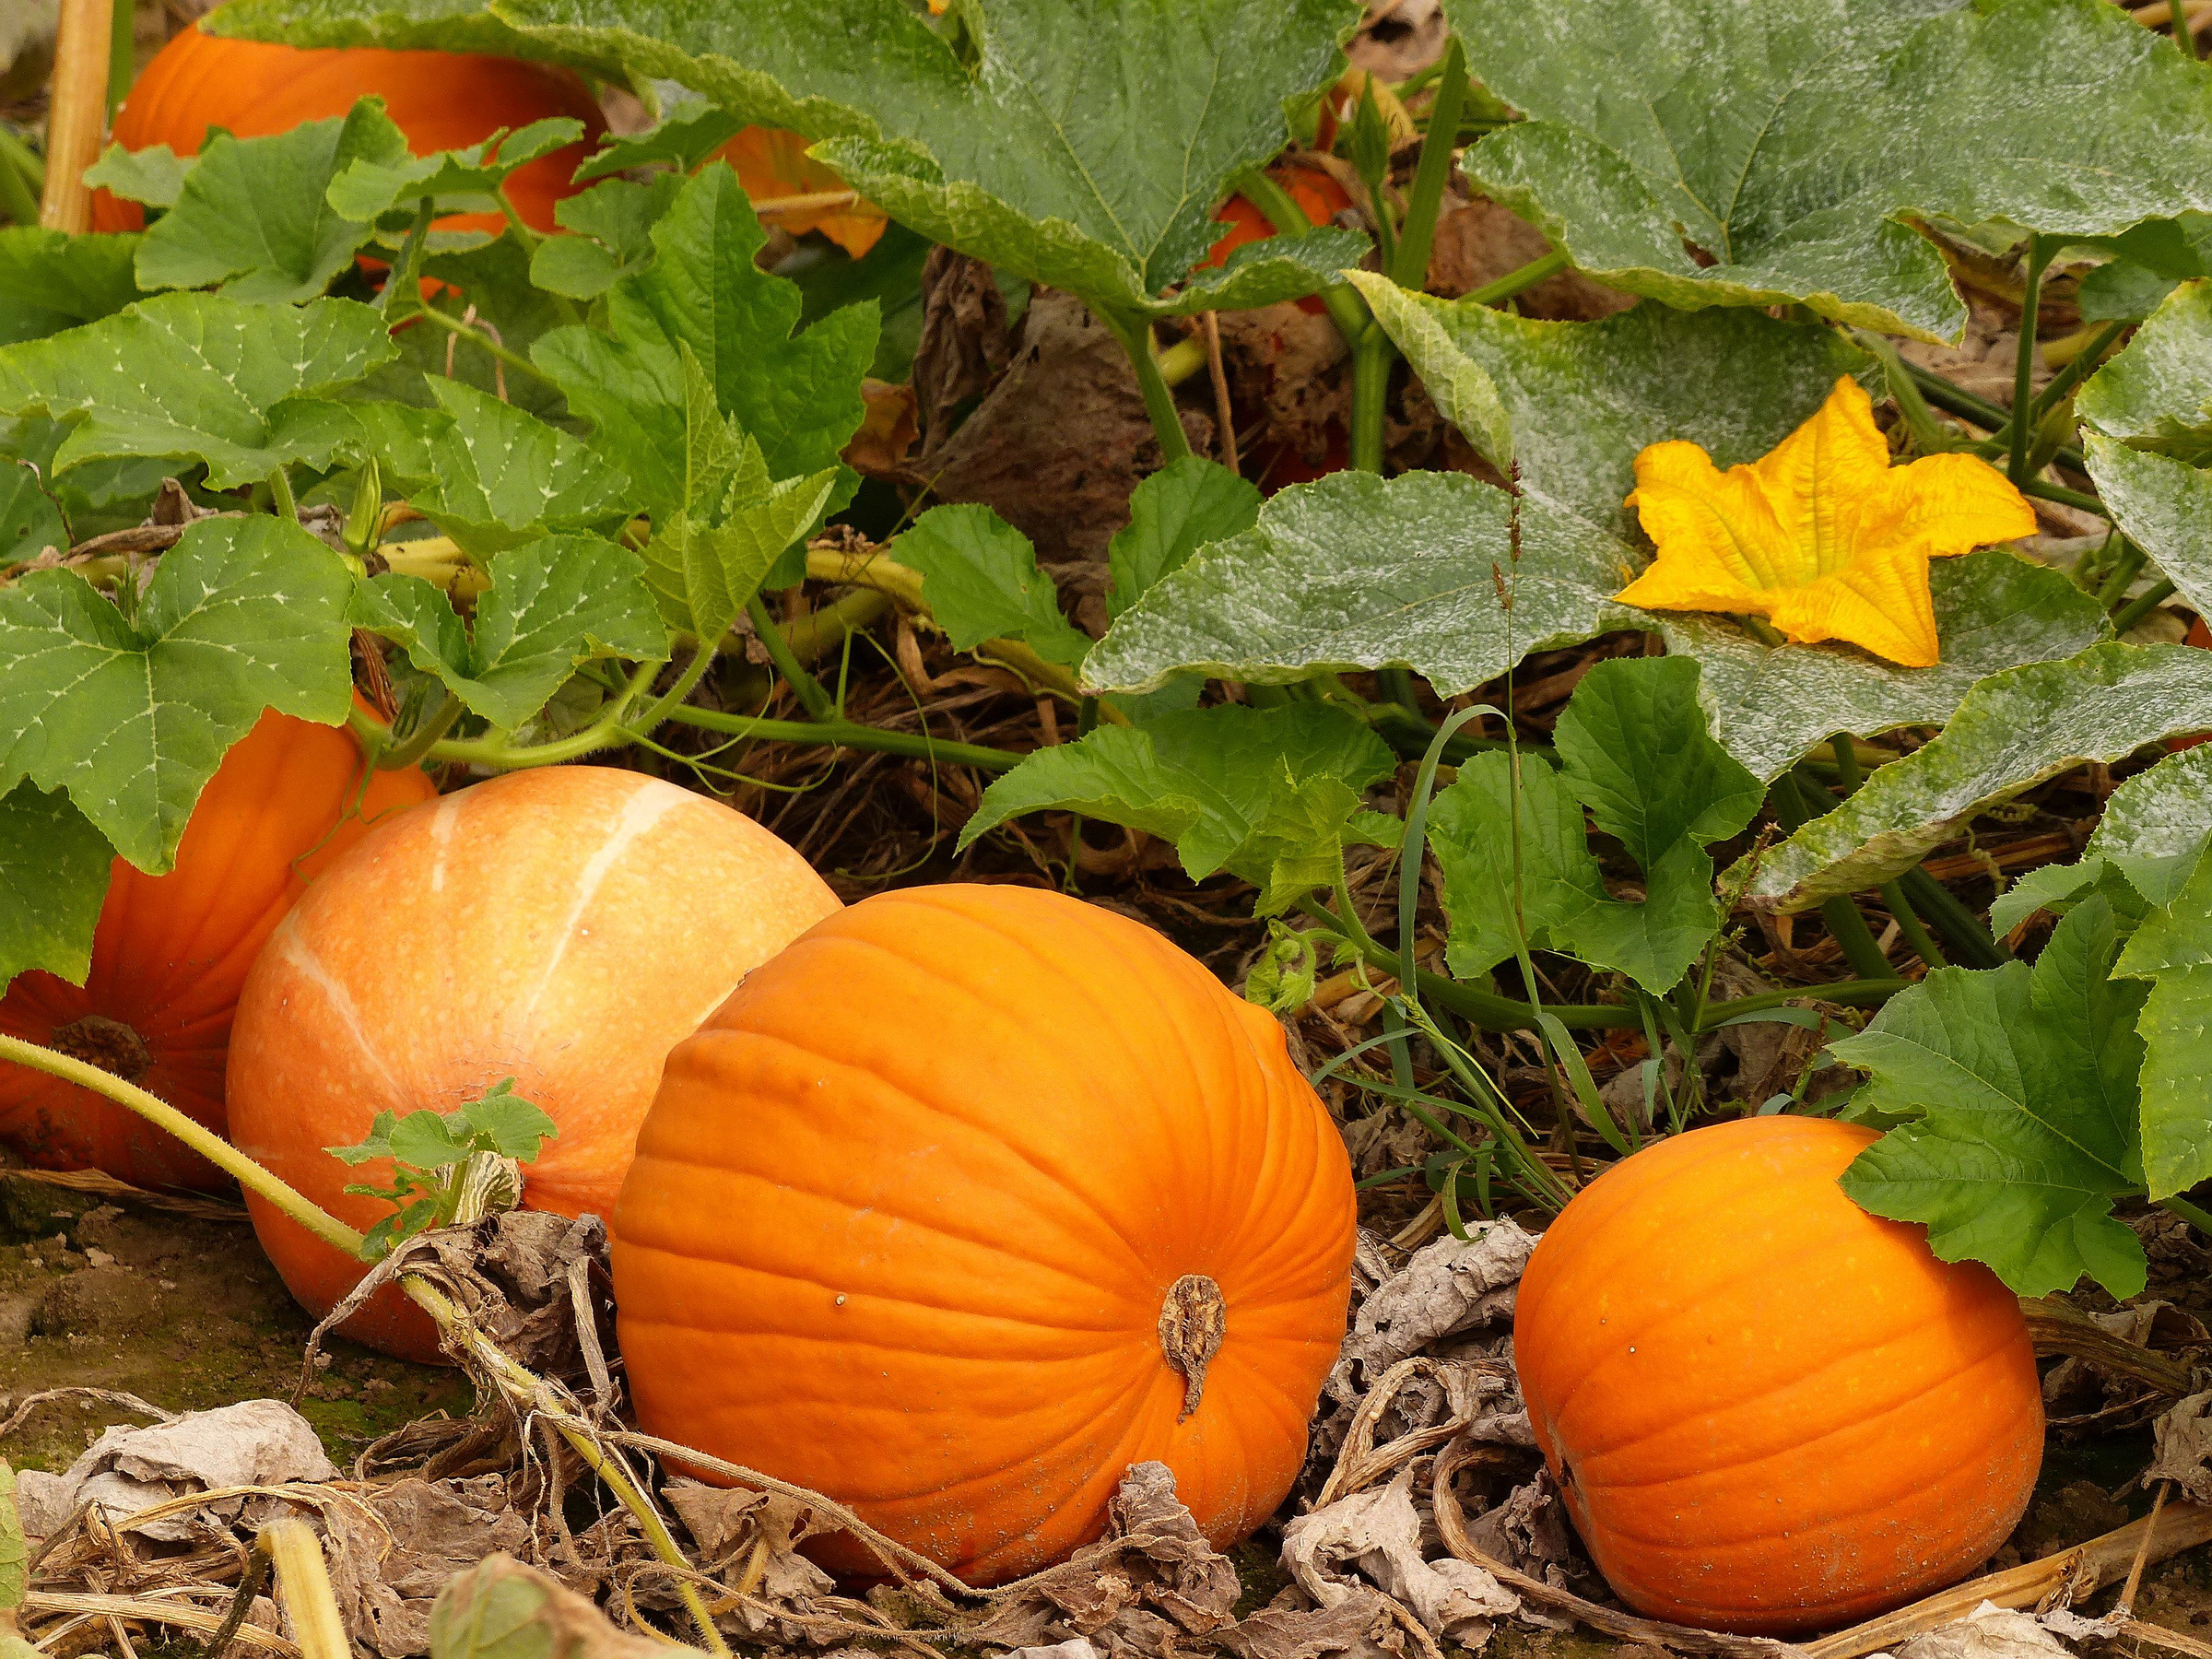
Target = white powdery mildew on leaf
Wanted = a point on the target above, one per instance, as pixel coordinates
(2156, 394)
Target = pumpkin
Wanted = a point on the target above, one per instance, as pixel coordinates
(772, 165)
(971, 1199)
(1767, 1410)
(169, 953)
(439, 99)
(564, 927)
(1319, 196)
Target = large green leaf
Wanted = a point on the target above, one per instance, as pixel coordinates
(2158, 392)
(1086, 145)
(611, 226)
(1264, 794)
(53, 877)
(2153, 831)
(2020, 1088)
(2012, 731)
(252, 219)
(2166, 505)
(488, 474)
(1792, 143)
(980, 579)
(553, 605)
(131, 714)
(2173, 951)
(796, 397)
(196, 377)
(1178, 510)
(30, 522)
(1636, 754)
(50, 280)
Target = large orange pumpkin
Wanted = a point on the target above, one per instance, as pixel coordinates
(1770, 1411)
(564, 927)
(439, 99)
(971, 1199)
(171, 951)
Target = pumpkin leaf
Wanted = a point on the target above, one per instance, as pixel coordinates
(2019, 1089)
(553, 605)
(373, 186)
(251, 219)
(2150, 261)
(686, 136)
(1264, 794)
(53, 878)
(131, 714)
(50, 280)
(1636, 754)
(30, 522)
(2156, 393)
(1768, 139)
(1178, 510)
(2172, 950)
(797, 395)
(494, 280)
(980, 579)
(489, 474)
(1085, 145)
(612, 236)
(154, 176)
(2164, 504)
(2153, 831)
(198, 377)
(2011, 731)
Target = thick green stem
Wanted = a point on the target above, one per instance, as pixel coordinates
(2125, 568)
(420, 741)
(817, 702)
(2084, 365)
(2023, 372)
(1966, 933)
(22, 177)
(846, 733)
(2140, 606)
(1956, 400)
(1859, 948)
(1372, 359)
(604, 732)
(1909, 927)
(205, 1141)
(1904, 391)
(1527, 276)
(2065, 497)
(2188, 1212)
(1409, 267)
(1344, 307)
(1136, 337)
(281, 495)
(1850, 994)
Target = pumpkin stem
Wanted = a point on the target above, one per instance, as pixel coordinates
(107, 1043)
(1193, 1320)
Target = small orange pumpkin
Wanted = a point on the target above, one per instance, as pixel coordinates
(564, 927)
(171, 951)
(1319, 196)
(439, 99)
(971, 1199)
(1771, 1412)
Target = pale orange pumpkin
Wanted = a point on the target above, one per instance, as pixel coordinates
(1769, 1411)
(971, 1199)
(171, 951)
(564, 927)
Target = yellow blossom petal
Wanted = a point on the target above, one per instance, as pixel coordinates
(772, 165)
(1820, 535)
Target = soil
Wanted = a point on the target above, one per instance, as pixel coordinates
(187, 1314)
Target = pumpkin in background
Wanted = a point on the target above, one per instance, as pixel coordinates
(1319, 196)
(171, 951)
(772, 165)
(971, 1199)
(564, 926)
(1769, 1411)
(439, 99)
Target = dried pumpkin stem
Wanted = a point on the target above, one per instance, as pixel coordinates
(1193, 1320)
(303, 1587)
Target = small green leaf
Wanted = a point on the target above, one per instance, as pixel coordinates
(53, 878)
(2149, 259)
(30, 522)
(2164, 504)
(132, 716)
(50, 280)
(980, 579)
(501, 1120)
(251, 217)
(2012, 731)
(689, 134)
(489, 474)
(2158, 392)
(612, 225)
(377, 182)
(154, 176)
(552, 605)
(2154, 830)
(1266, 793)
(196, 377)
(1179, 509)
(2019, 1086)
(423, 1139)
(798, 396)
(1638, 756)
(1768, 137)
(493, 281)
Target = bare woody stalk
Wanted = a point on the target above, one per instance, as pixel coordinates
(77, 120)
(523, 1388)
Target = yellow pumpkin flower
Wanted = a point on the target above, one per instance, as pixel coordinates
(1820, 535)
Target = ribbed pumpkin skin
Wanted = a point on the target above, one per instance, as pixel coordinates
(1770, 1411)
(564, 926)
(439, 99)
(171, 951)
(906, 1208)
